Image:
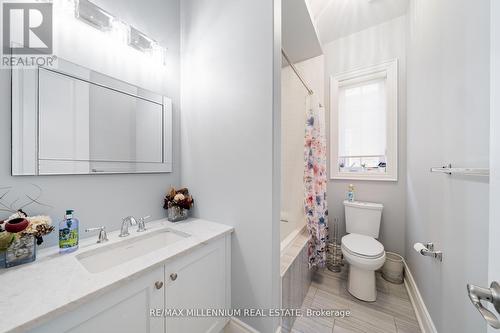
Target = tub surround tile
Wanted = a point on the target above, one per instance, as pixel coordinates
(290, 253)
(295, 279)
(63, 284)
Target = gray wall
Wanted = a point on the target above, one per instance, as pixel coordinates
(230, 137)
(448, 122)
(105, 199)
(494, 231)
(365, 48)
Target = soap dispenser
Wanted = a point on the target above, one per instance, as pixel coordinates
(68, 233)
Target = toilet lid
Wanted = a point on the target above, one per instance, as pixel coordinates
(363, 245)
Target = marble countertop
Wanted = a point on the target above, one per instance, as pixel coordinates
(34, 293)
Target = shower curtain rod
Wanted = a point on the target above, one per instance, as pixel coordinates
(309, 90)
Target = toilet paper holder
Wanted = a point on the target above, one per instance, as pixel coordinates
(427, 250)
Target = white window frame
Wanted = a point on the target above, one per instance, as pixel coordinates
(389, 70)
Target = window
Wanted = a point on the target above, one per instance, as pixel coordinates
(364, 108)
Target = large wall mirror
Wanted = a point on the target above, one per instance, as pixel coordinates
(72, 120)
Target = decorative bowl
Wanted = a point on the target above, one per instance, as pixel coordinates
(16, 225)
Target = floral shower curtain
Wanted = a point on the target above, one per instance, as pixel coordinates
(315, 182)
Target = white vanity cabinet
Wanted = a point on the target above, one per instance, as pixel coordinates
(124, 309)
(198, 279)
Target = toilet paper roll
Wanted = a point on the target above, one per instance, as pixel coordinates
(419, 247)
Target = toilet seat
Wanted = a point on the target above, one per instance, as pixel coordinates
(362, 246)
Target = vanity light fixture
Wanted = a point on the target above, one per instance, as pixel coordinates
(98, 18)
(139, 41)
(93, 15)
(143, 43)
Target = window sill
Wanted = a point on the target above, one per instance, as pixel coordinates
(384, 178)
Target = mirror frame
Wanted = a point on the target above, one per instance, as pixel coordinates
(25, 117)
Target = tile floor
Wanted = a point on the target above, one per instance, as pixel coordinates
(391, 313)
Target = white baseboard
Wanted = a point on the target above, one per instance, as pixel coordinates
(235, 325)
(424, 318)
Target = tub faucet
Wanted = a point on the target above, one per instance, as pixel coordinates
(126, 222)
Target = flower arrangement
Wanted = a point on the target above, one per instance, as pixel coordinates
(180, 198)
(178, 203)
(20, 225)
(20, 233)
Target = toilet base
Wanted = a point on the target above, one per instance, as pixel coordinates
(361, 284)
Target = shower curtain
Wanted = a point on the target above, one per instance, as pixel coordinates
(315, 182)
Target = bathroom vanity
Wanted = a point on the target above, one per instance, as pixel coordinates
(125, 285)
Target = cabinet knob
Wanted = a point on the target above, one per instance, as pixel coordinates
(173, 276)
(158, 284)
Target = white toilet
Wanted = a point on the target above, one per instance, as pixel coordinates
(360, 248)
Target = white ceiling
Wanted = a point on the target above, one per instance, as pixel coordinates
(299, 37)
(335, 19)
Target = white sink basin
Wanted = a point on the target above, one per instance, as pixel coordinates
(106, 257)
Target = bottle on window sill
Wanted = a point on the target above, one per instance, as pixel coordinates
(350, 193)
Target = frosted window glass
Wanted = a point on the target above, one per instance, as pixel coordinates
(363, 119)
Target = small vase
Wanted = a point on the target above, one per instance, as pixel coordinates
(21, 251)
(176, 213)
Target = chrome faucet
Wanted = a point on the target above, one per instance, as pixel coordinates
(126, 222)
(141, 225)
(102, 237)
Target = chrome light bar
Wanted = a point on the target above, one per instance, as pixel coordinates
(93, 15)
(98, 18)
(139, 41)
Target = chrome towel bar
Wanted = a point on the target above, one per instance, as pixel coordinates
(483, 172)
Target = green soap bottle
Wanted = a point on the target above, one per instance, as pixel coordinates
(68, 233)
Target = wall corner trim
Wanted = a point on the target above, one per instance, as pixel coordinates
(423, 316)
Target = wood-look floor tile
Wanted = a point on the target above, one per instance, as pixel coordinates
(338, 275)
(344, 327)
(327, 283)
(398, 290)
(381, 283)
(362, 318)
(317, 305)
(406, 327)
(386, 303)
(391, 313)
(311, 325)
(367, 325)
(311, 292)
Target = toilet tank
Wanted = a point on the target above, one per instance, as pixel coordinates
(363, 218)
